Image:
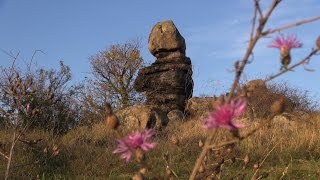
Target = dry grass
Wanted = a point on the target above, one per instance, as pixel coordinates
(86, 152)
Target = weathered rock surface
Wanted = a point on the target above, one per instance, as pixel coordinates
(141, 116)
(165, 37)
(167, 82)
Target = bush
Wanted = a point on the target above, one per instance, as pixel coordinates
(296, 100)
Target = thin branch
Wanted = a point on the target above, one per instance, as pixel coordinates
(14, 140)
(258, 8)
(253, 26)
(270, 31)
(8, 54)
(260, 164)
(202, 156)
(4, 155)
(32, 58)
(303, 61)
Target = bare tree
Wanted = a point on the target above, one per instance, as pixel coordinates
(34, 99)
(114, 71)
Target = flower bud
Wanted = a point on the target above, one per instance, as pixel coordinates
(201, 169)
(201, 143)
(285, 57)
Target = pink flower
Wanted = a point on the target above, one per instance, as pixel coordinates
(285, 43)
(223, 115)
(128, 144)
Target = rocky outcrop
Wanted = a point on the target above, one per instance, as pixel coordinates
(167, 82)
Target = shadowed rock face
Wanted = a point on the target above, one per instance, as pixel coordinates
(167, 82)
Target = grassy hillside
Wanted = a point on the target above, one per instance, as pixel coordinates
(290, 148)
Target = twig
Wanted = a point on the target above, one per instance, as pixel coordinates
(260, 164)
(303, 61)
(258, 8)
(253, 26)
(166, 159)
(32, 58)
(4, 155)
(270, 31)
(14, 141)
(202, 156)
(285, 171)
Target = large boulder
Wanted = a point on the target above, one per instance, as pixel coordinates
(165, 37)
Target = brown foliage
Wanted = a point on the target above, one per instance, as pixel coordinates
(292, 100)
(114, 71)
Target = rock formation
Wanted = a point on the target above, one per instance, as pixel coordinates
(167, 82)
(141, 117)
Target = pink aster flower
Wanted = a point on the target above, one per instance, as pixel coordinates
(223, 115)
(285, 43)
(128, 144)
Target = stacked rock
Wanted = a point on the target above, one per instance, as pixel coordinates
(167, 82)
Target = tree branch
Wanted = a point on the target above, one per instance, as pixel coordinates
(270, 31)
(4, 155)
(303, 61)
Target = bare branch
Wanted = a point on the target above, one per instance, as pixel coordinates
(270, 31)
(253, 26)
(258, 8)
(260, 164)
(4, 155)
(32, 58)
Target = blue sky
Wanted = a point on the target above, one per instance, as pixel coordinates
(216, 33)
